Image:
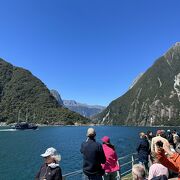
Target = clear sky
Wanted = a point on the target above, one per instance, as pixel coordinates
(88, 50)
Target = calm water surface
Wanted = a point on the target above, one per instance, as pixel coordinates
(20, 150)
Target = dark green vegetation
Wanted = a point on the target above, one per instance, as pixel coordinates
(153, 100)
(24, 94)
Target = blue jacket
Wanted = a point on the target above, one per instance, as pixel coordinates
(143, 150)
(93, 157)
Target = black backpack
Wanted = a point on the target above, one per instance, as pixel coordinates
(162, 177)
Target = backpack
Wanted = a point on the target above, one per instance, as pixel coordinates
(161, 177)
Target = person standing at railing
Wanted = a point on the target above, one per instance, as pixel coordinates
(93, 157)
(111, 166)
(143, 150)
(149, 136)
(50, 170)
(170, 138)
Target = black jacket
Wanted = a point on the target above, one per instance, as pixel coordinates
(161, 177)
(143, 150)
(93, 157)
(49, 173)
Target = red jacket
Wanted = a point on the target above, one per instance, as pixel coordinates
(172, 162)
(111, 164)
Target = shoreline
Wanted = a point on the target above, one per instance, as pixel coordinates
(3, 124)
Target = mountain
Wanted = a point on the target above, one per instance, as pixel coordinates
(136, 80)
(22, 92)
(83, 109)
(154, 99)
(57, 96)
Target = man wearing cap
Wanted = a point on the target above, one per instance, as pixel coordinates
(93, 157)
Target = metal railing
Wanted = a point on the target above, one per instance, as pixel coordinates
(74, 175)
(129, 162)
(77, 175)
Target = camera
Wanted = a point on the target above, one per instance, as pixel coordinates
(159, 144)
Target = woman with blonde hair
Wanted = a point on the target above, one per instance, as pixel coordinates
(138, 172)
(50, 170)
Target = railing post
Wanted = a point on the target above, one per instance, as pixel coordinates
(132, 160)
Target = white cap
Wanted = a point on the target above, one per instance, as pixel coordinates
(91, 132)
(49, 152)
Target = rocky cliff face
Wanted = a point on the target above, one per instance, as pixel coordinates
(154, 99)
(20, 91)
(136, 80)
(83, 109)
(57, 96)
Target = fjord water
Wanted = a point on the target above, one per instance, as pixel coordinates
(20, 150)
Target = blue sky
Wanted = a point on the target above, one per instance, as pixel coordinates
(88, 50)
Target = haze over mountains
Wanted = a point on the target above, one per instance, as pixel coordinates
(83, 109)
(154, 98)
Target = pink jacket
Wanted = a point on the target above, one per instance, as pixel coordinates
(111, 164)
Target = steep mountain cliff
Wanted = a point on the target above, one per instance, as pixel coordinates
(57, 96)
(24, 94)
(154, 99)
(83, 109)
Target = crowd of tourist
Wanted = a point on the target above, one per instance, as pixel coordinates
(100, 161)
(158, 156)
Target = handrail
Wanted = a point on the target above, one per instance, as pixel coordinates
(79, 172)
(126, 163)
(127, 156)
(73, 173)
(126, 172)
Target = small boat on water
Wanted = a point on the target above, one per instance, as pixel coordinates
(25, 126)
